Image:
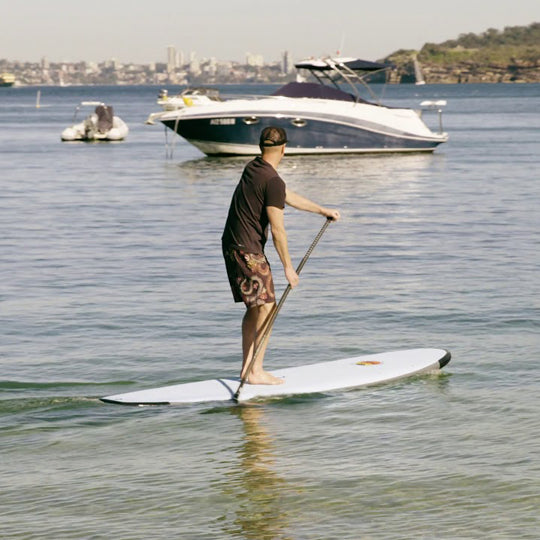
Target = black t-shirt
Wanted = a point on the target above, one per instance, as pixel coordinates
(247, 223)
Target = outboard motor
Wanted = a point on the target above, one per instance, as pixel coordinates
(105, 116)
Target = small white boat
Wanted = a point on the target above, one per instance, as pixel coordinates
(7, 79)
(187, 98)
(100, 125)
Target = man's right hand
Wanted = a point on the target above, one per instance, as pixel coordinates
(292, 277)
(329, 213)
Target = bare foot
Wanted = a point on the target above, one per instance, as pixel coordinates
(263, 378)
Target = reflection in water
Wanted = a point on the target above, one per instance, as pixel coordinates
(206, 168)
(335, 176)
(340, 177)
(258, 489)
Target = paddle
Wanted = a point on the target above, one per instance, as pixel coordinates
(269, 321)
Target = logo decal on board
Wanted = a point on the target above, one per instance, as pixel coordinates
(368, 363)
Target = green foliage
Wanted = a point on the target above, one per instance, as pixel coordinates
(514, 45)
(510, 36)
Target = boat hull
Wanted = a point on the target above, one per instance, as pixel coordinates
(317, 129)
(321, 138)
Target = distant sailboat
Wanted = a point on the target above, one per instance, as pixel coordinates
(419, 77)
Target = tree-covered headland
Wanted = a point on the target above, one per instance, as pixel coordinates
(510, 55)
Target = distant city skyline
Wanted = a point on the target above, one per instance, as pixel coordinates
(63, 30)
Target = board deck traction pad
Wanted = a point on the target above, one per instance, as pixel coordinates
(358, 371)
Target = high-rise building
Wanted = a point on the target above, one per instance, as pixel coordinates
(180, 61)
(286, 62)
(171, 59)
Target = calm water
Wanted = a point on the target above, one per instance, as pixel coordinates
(112, 280)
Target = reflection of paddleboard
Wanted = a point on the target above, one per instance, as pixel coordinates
(339, 374)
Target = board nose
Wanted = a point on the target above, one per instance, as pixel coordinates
(445, 359)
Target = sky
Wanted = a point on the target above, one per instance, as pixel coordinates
(140, 31)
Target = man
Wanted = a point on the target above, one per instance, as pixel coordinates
(258, 201)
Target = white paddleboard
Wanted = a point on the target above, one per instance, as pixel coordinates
(339, 374)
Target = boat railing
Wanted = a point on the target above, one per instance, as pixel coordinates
(353, 79)
(434, 106)
(230, 97)
(85, 104)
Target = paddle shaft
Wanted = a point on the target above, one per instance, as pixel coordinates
(269, 321)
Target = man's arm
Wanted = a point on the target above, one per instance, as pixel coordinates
(279, 237)
(301, 203)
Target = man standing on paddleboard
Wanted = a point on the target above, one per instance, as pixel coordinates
(258, 202)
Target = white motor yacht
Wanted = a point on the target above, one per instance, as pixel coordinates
(319, 117)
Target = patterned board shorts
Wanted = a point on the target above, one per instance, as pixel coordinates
(250, 277)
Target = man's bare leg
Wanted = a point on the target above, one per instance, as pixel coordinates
(251, 329)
